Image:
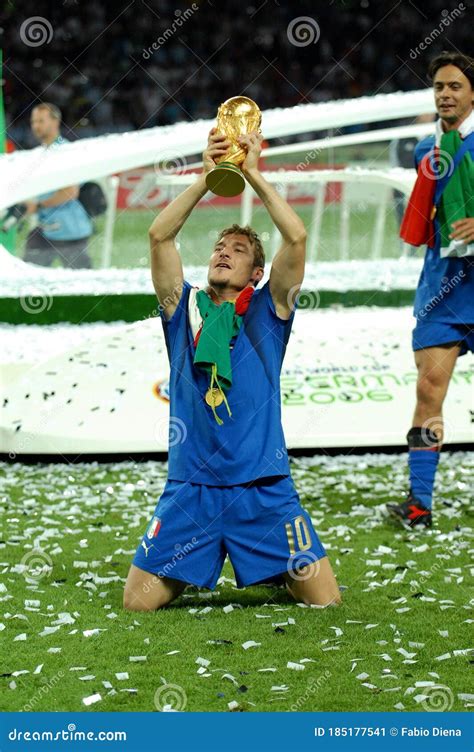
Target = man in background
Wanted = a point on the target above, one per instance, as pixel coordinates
(440, 214)
(64, 226)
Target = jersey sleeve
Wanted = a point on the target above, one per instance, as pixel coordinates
(177, 322)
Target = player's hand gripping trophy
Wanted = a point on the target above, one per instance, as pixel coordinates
(235, 117)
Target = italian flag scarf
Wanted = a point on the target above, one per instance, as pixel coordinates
(457, 200)
(219, 324)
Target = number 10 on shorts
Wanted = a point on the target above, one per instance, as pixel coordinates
(298, 529)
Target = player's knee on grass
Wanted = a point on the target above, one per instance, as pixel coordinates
(315, 585)
(145, 591)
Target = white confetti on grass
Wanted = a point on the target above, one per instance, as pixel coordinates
(92, 699)
(251, 644)
(295, 666)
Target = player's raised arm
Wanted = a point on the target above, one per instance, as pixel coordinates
(166, 267)
(287, 270)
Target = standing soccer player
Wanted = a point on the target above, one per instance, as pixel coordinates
(440, 213)
(229, 488)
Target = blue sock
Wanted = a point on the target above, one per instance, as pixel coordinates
(423, 464)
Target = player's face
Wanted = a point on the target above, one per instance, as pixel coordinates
(453, 94)
(232, 262)
(43, 125)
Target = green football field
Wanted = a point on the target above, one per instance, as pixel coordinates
(399, 641)
(131, 248)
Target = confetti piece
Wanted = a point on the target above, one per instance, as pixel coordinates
(92, 699)
(443, 632)
(424, 684)
(228, 609)
(265, 670)
(232, 705)
(89, 677)
(371, 626)
(362, 676)
(280, 688)
(38, 668)
(465, 697)
(173, 652)
(443, 657)
(295, 666)
(48, 630)
(202, 661)
(250, 644)
(420, 698)
(137, 658)
(54, 650)
(399, 706)
(122, 675)
(230, 678)
(405, 653)
(20, 638)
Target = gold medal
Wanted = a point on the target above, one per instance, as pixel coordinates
(214, 397)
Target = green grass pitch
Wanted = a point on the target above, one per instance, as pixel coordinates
(399, 641)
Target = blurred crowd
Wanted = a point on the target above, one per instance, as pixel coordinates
(117, 66)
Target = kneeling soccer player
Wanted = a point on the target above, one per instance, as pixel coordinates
(229, 488)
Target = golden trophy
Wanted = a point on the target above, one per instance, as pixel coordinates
(235, 117)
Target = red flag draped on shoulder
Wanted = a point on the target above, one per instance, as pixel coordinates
(417, 225)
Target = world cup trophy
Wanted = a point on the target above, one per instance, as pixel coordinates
(235, 117)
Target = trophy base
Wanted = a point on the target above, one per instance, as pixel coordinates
(225, 180)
